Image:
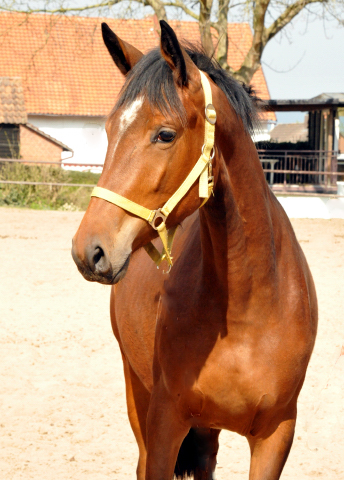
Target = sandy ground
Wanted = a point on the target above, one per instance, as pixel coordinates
(63, 412)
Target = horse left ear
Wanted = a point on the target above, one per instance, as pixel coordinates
(178, 60)
(124, 55)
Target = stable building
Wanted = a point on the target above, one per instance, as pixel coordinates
(69, 81)
(20, 139)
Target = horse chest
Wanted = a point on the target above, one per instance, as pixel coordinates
(215, 382)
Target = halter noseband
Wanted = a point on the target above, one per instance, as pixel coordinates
(202, 169)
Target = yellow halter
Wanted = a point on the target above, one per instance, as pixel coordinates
(202, 169)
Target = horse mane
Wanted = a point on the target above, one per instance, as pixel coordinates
(152, 77)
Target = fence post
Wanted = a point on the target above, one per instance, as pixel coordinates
(330, 135)
(334, 165)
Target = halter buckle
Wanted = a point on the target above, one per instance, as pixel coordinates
(157, 214)
(210, 113)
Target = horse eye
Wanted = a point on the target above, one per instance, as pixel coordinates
(166, 136)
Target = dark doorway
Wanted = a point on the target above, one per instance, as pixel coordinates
(9, 140)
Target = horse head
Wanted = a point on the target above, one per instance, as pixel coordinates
(155, 136)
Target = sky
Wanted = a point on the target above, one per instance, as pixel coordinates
(311, 63)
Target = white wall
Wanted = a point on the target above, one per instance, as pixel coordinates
(85, 135)
(313, 207)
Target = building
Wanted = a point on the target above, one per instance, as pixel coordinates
(324, 113)
(18, 138)
(290, 132)
(69, 80)
(310, 158)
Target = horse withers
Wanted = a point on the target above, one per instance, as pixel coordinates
(222, 339)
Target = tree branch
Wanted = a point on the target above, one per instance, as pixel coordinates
(182, 6)
(262, 35)
(287, 16)
(157, 6)
(62, 10)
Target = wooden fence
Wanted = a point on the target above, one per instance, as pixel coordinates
(305, 173)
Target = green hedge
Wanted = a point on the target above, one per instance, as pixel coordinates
(44, 196)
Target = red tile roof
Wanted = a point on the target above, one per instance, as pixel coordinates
(66, 69)
(12, 104)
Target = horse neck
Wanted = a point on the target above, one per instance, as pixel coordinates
(236, 229)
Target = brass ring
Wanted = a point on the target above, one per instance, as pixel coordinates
(212, 153)
(157, 215)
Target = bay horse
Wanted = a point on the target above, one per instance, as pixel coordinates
(222, 339)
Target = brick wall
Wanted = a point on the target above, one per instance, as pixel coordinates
(34, 146)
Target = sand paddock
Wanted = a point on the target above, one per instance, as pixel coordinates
(63, 411)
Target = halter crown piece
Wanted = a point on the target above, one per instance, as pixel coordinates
(202, 169)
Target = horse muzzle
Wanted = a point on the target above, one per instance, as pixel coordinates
(95, 265)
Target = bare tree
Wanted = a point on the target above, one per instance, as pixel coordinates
(267, 18)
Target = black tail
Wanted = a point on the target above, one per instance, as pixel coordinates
(198, 453)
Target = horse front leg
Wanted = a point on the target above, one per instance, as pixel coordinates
(166, 431)
(269, 451)
(137, 404)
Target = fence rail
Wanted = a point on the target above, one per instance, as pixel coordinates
(296, 173)
(44, 162)
(48, 184)
(303, 168)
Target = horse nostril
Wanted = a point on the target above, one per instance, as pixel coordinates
(97, 257)
(96, 260)
(100, 262)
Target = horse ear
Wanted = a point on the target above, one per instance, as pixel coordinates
(178, 60)
(124, 55)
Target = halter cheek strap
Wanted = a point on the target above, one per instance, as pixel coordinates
(202, 170)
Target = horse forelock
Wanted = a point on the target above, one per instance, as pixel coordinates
(152, 79)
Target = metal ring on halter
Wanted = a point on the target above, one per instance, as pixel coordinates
(158, 215)
(212, 153)
(211, 120)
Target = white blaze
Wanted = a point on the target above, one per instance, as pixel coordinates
(129, 114)
(127, 118)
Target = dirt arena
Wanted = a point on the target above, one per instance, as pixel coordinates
(63, 412)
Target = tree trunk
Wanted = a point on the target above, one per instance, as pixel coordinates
(204, 26)
(158, 8)
(252, 60)
(249, 67)
(222, 29)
